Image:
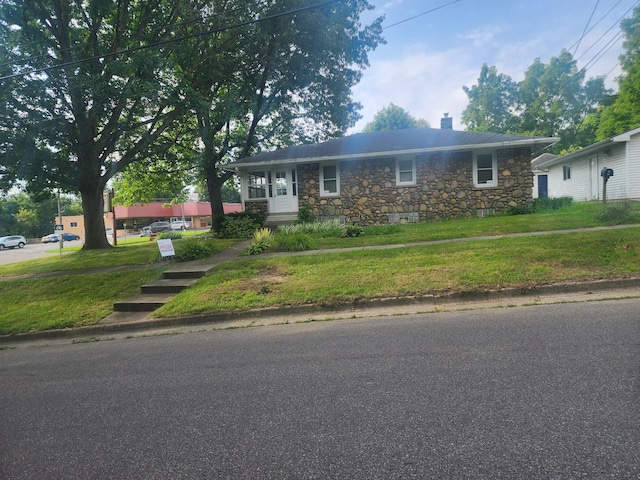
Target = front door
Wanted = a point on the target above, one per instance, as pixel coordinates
(283, 191)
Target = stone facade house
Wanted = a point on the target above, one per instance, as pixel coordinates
(392, 176)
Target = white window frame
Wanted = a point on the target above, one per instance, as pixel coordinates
(494, 170)
(256, 186)
(566, 172)
(323, 191)
(413, 171)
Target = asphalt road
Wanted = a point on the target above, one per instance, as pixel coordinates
(34, 250)
(544, 392)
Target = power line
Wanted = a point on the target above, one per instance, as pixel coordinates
(174, 40)
(584, 32)
(420, 14)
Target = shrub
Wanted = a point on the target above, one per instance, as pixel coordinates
(170, 234)
(237, 225)
(521, 210)
(262, 239)
(550, 204)
(304, 215)
(616, 213)
(195, 249)
(313, 227)
(354, 230)
(297, 242)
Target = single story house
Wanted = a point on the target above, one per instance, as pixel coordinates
(579, 174)
(392, 176)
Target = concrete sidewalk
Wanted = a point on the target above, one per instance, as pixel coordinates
(135, 314)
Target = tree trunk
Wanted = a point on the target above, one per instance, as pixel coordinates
(95, 235)
(214, 187)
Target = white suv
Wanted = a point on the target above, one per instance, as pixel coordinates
(12, 241)
(179, 225)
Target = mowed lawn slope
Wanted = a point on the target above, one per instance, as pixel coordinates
(35, 302)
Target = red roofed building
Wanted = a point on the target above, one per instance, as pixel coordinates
(197, 214)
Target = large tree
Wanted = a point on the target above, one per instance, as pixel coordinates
(284, 79)
(553, 99)
(624, 114)
(81, 94)
(492, 103)
(394, 117)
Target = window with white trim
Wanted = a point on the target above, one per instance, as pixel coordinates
(329, 179)
(405, 171)
(257, 182)
(485, 170)
(566, 172)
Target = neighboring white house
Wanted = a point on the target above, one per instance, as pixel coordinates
(578, 174)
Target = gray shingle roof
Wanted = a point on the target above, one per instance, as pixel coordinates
(393, 142)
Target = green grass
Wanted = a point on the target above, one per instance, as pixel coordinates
(437, 269)
(66, 301)
(41, 303)
(577, 215)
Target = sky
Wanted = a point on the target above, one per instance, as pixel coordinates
(428, 59)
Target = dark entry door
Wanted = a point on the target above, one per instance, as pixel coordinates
(543, 186)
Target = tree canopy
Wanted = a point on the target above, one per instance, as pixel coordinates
(552, 100)
(624, 114)
(394, 117)
(90, 88)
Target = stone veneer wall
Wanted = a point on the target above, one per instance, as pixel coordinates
(258, 206)
(444, 187)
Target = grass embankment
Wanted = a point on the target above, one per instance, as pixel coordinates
(40, 301)
(467, 267)
(66, 301)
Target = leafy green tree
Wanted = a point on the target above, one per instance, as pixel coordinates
(492, 103)
(552, 100)
(393, 117)
(274, 83)
(79, 102)
(624, 114)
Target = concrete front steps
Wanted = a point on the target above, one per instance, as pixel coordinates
(155, 294)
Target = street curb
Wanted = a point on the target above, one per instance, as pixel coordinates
(309, 310)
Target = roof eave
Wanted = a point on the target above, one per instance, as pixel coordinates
(546, 141)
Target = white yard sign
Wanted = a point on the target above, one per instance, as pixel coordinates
(166, 247)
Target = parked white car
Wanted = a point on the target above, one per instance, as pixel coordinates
(12, 241)
(180, 225)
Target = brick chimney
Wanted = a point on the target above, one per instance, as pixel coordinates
(446, 123)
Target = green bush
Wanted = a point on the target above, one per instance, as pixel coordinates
(297, 242)
(551, 204)
(304, 215)
(354, 230)
(195, 249)
(237, 225)
(617, 213)
(312, 227)
(262, 240)
(170, 234)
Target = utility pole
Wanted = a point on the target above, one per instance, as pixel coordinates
(60, 232)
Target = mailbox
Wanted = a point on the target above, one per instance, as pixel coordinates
(606, 173)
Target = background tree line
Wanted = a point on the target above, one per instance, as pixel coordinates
(555, 99)
(22, 214)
